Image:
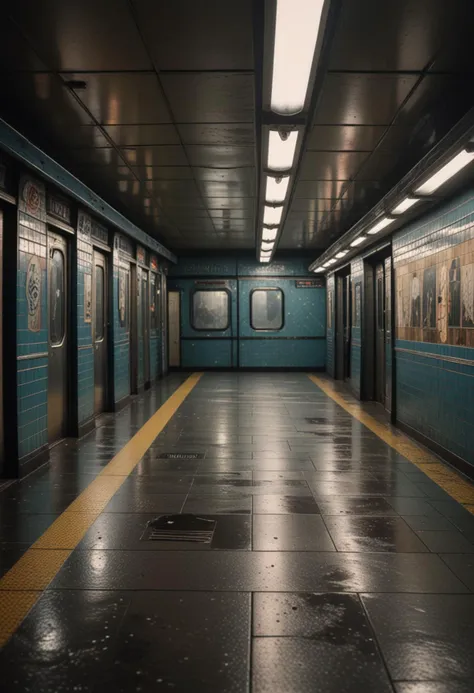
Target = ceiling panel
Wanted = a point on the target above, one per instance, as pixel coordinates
(203, 35)
(313, 206)
(15, 51)
(225, 189)
(172, 187)
(218, 133)
(389, 35)
(319, 188)
(345, 137)
(244, 203)
(166, 155)
(163, 172)
(235, 214)
(331, 165)
(210, 97)
(220, 157)
(237, 175)
(122, 97)
(154, 134)
(362, 99)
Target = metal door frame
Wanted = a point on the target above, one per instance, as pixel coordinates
(52, 236)
(97, 252)
(133, 298)
(178, 293)
(145, 296)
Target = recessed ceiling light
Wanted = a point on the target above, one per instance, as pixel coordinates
(449, 170)
(272, 215)
(276, 189)
(341, 253)
(358, 241)
(269, 234)
(319, 269)
(385, 221)
(281, 149)
(405, 204)
(296, 32)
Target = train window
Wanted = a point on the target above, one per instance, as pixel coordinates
(124, 297)
(210, 310)
(266, 309)
(57, 298)
(99, 303)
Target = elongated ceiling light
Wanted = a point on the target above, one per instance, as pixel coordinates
(330, 262)
(296, 33)
(281, 149)
(272, 215)
(405, 204)
(358, 241)
(269, 234)
(385, 221)
(449, 170)
(276, 189)
(319, 269)
(341, 254)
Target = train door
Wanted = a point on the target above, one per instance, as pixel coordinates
(155, 331)
(99, 331)
(57, 336)
(347, 313)
(1, 347)
(145, 308)
(134, 343)
(388, 333)
(174, 336)
(343, 327)
(164, 325)
(380, 333)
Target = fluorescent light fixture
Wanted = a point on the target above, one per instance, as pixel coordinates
(341, 254)
(269, 234)
(444, 174)
(330, 262)
(296, 33)
(319, 269)
(385, 221)
(405, 204)
(358, 241)
(276, 189)
(272, 215)
(268, 245)
(264, 259)
(281, 149)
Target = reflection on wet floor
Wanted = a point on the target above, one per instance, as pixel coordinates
(335, 564)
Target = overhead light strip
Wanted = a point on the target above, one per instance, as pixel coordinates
(449, 170)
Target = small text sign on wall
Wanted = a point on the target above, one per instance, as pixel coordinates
(310, 283)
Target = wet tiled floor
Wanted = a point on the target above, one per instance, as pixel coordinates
(335, 565)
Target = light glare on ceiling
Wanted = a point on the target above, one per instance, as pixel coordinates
(296, 33)
(276, 189)
(444, 174)
(281, 151)
(272, 215)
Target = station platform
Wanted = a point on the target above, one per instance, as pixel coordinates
(318, 549)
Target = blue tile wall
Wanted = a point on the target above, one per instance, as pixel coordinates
(32, 335)
(357, 277)
(435, 366)
(331, 326)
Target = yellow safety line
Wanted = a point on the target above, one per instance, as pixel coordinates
(24, 583)
(458, 488)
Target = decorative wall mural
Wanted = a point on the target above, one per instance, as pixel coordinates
(467, 296)
(87, 298)
(415, 301)
(443, 304)
(33, 293)
(454, 305)
(429, 298)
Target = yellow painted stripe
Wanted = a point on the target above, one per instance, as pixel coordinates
(25, 581)
(458, 488)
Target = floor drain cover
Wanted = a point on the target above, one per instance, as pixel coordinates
(180, 528)
(181, 456)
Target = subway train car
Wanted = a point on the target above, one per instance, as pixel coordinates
(84, 313)
(233, 312)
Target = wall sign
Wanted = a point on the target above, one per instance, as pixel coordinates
(58, 208)
(124, 245)
(99, 232)
(84, 225)
(310, 283)
(87, 297)
(211, 282)
(33, 294)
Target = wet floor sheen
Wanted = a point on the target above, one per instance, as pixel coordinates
(334, 565)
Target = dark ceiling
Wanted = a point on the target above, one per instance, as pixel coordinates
(154, 105)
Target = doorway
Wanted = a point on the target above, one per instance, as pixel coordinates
(174, 335)
(57, 337)
(343, 325)
(99, 331)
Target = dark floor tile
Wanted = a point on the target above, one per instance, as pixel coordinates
(355, 506)
(216, 505)
(431, 522)
(225, 478)
(257, 571)
(10, 554)
(280, 665)
(462, 566)
(446, 541)
(433, 687)
(363, 487)
(146, 503)
(147, 467)
(125, 532)
(165, 483)
(281, 504)
(336, 618)
(278, 476)
(424, 637)
(22, 528)
(373, 534)
(290, 533)
(412, 506)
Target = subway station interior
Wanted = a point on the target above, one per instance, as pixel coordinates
(237, 346)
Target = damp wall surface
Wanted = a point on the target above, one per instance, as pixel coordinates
(294, 335)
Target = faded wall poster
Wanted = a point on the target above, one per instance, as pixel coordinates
(454, 309)
(467, 295)
(33, 293)
(415, 301)
(87, 298)
(429, 298)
